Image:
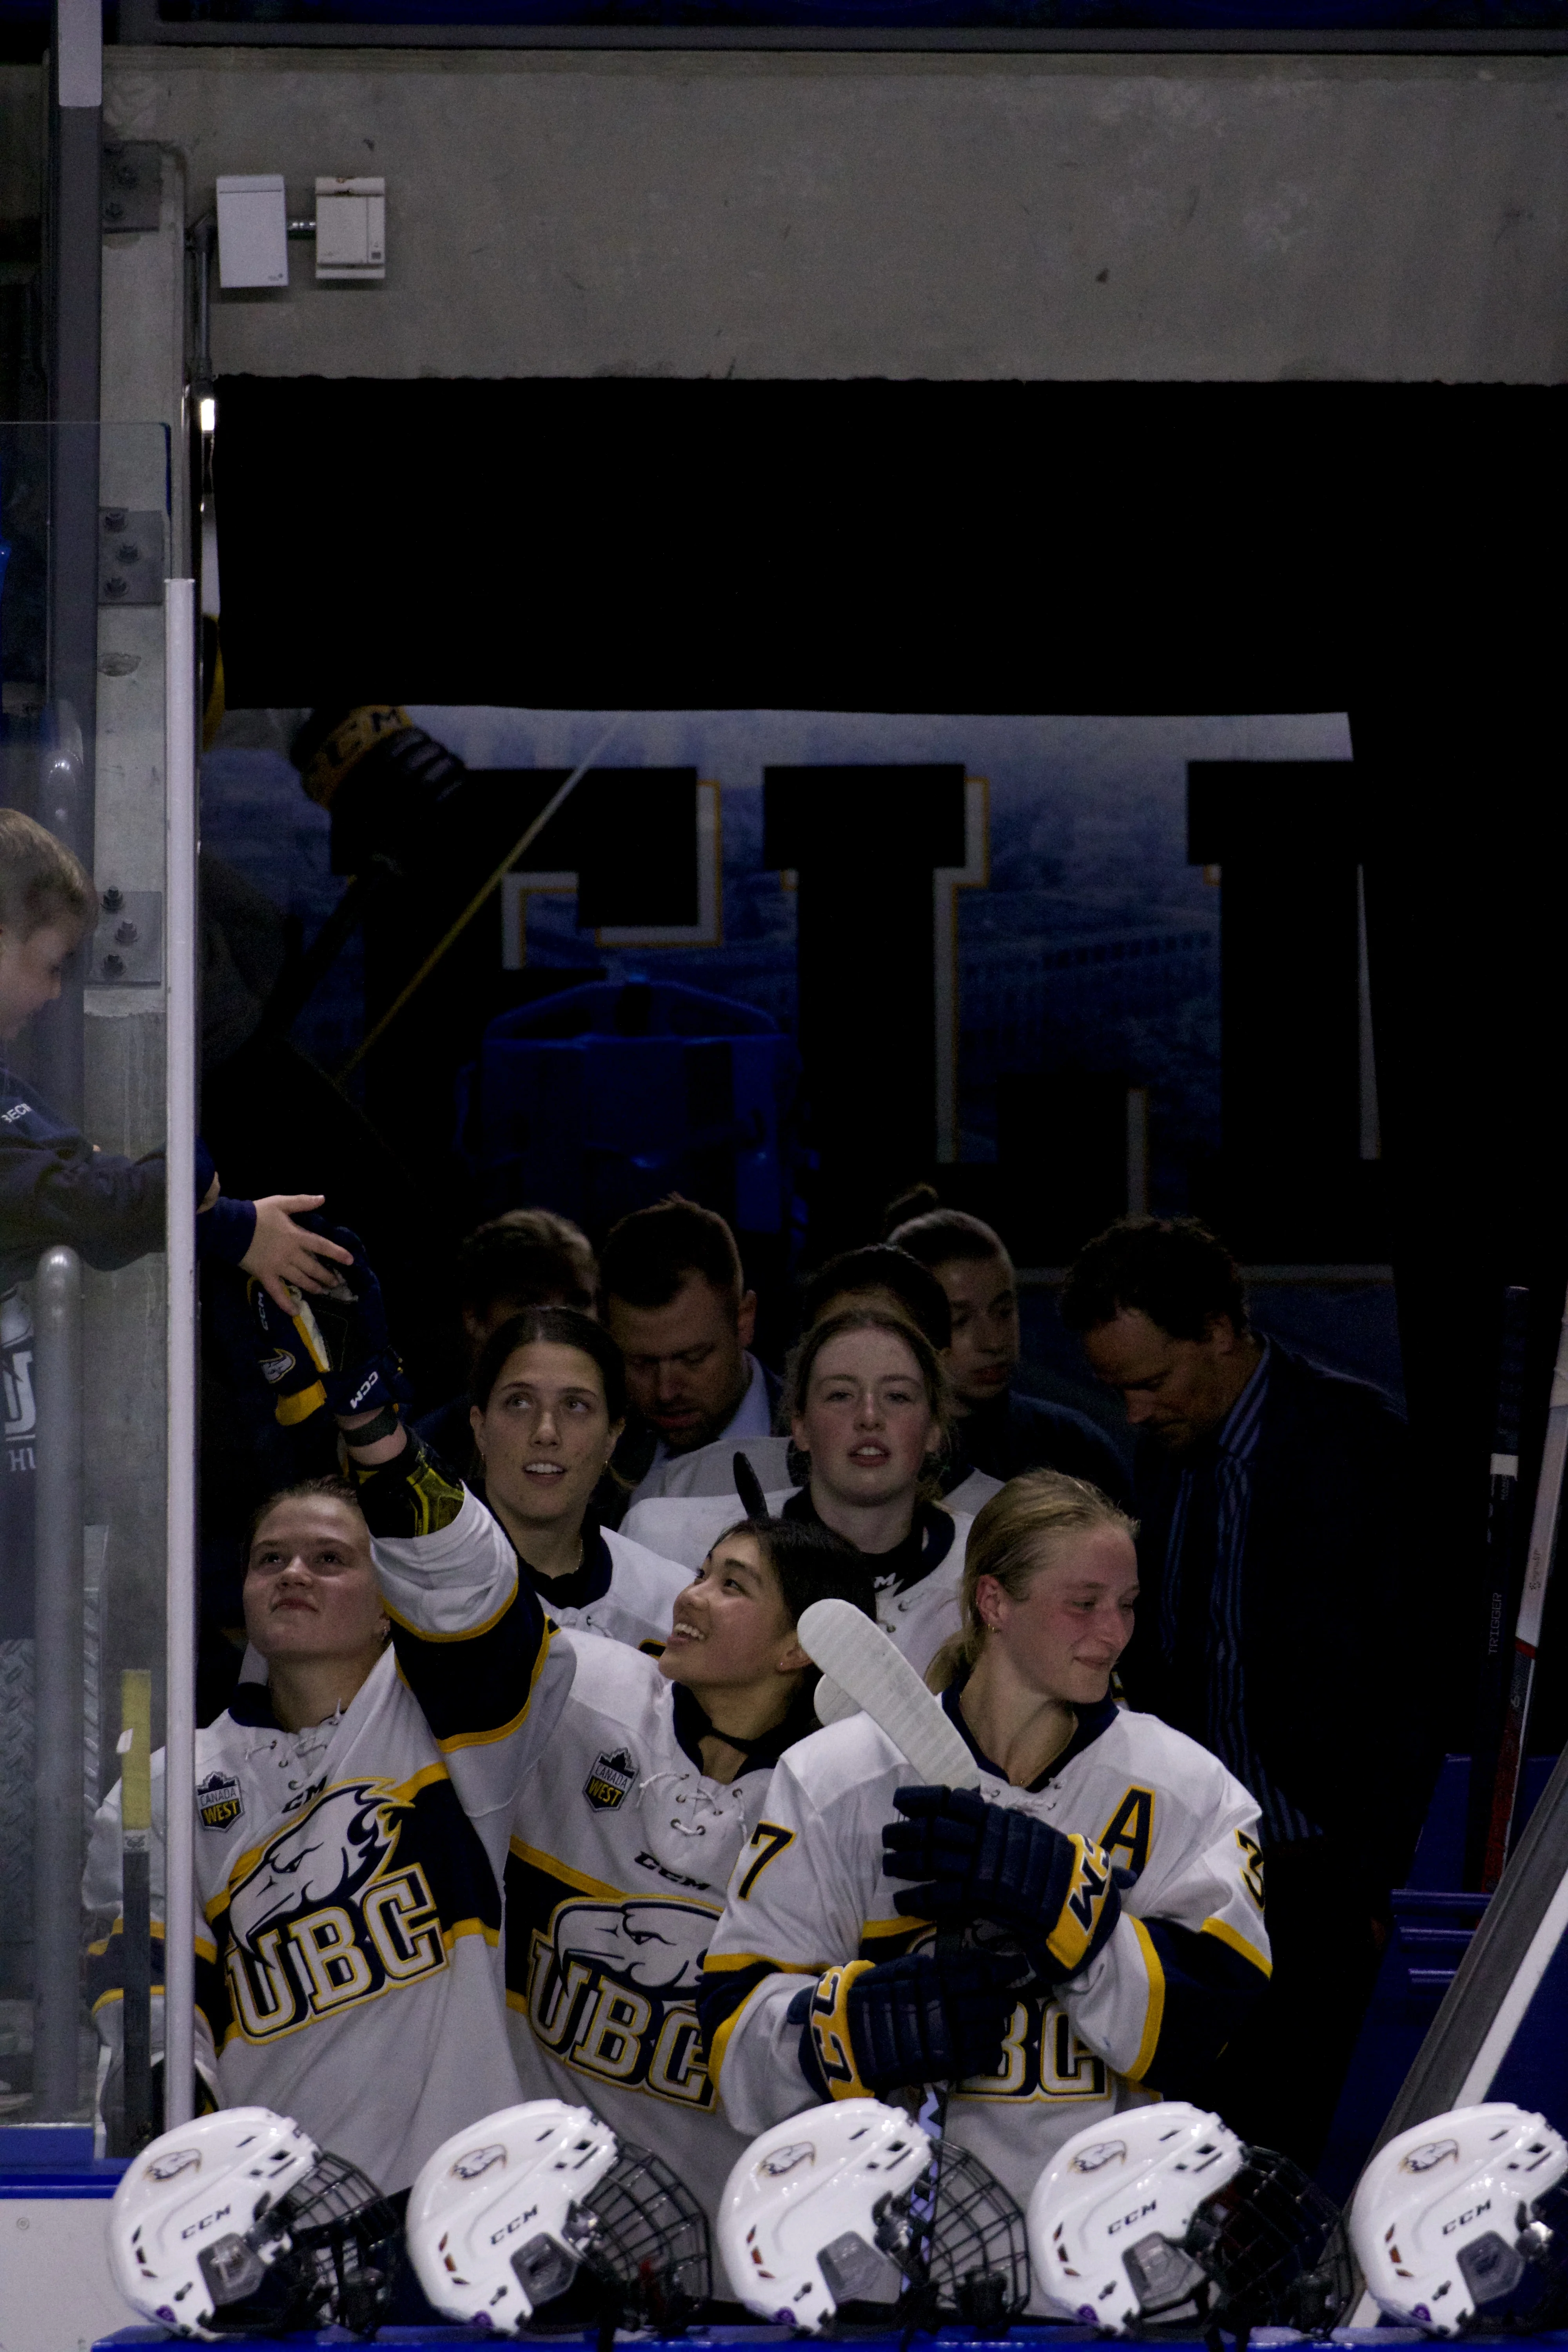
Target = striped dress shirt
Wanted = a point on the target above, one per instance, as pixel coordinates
(1222, 1707)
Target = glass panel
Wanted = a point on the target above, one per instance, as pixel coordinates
(85, 522)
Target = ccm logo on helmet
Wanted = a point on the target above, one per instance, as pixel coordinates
(1128, 2218)
(510, 2228)
(1470, 2213)
(207, 2221)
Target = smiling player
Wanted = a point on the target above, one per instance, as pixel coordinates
(629, 1825)
(1104, 1881)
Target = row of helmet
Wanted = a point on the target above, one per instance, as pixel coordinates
(1162, 2218)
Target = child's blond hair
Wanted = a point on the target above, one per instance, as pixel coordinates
(41, 881)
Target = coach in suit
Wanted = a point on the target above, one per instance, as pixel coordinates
(1276, 1625)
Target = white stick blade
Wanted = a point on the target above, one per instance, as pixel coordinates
(868, 1667)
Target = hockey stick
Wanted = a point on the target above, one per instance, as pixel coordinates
(136, 1910)
(1532, 1608)
(1503, 1513)
(864, 1663)
(863, 1668)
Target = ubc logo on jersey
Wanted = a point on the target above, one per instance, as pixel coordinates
(611, 1990)
(323, 1916)
(611, 1781)
(218, 1801)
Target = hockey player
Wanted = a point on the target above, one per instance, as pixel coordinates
(351, 1837)
(1105, 1885)
(629, 1825)
(631, 1818)
(549, 1405)
(865, 1401)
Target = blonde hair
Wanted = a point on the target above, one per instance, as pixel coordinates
(41, 881)
(1012, 1539)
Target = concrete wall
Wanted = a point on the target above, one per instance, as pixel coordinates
(778, 216)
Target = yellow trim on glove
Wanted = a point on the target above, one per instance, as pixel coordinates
(1089, 1889)
(291, 1410)
(345, 747)
(829, 2022)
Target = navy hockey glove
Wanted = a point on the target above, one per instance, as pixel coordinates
(875, 2026)
(1051, 1890)
(367, 1371)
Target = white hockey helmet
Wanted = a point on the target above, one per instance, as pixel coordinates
(1160, 2215)
(238, 2223)
(852, 2203)
(504, 2216)
(1464, 2220)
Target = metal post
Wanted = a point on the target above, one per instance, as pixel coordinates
(179, 1141)
(73, 284)
(58, 1687)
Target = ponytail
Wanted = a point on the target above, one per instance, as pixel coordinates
(1012, 1539)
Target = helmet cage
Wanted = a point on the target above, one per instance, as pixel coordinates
(326, 2253)
(642, 2237)
(1520, 2285)
(958, 2237)
(1267, 2248)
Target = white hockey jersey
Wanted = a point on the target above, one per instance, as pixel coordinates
(920, 1618)
(622, 1590)
(621, 1852)
(711, 1470)
(1187, 1955)
(350, 1880)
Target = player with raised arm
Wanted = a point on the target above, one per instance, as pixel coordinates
(1104, 1880)
(866, 1402)
(624, 1823)
(351, 1836)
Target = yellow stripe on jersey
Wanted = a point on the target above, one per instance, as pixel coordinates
(469, 1632)
(721, 2039)
(715, 1963)
(1237, 1942)
(504, 1730)
(873, 1928)
(1154, 2016)
(578, 1880)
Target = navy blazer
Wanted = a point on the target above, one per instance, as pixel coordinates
(1331, 1638)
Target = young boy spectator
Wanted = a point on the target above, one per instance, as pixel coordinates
(55, 1187)
(677, 1307)
(997, 1431)
(529, 1258)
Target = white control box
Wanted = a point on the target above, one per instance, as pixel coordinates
(252, 230)
(351, 228)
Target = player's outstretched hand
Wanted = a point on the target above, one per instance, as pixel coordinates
(281, 1252)
(1051, 1889)
(927, 2017)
